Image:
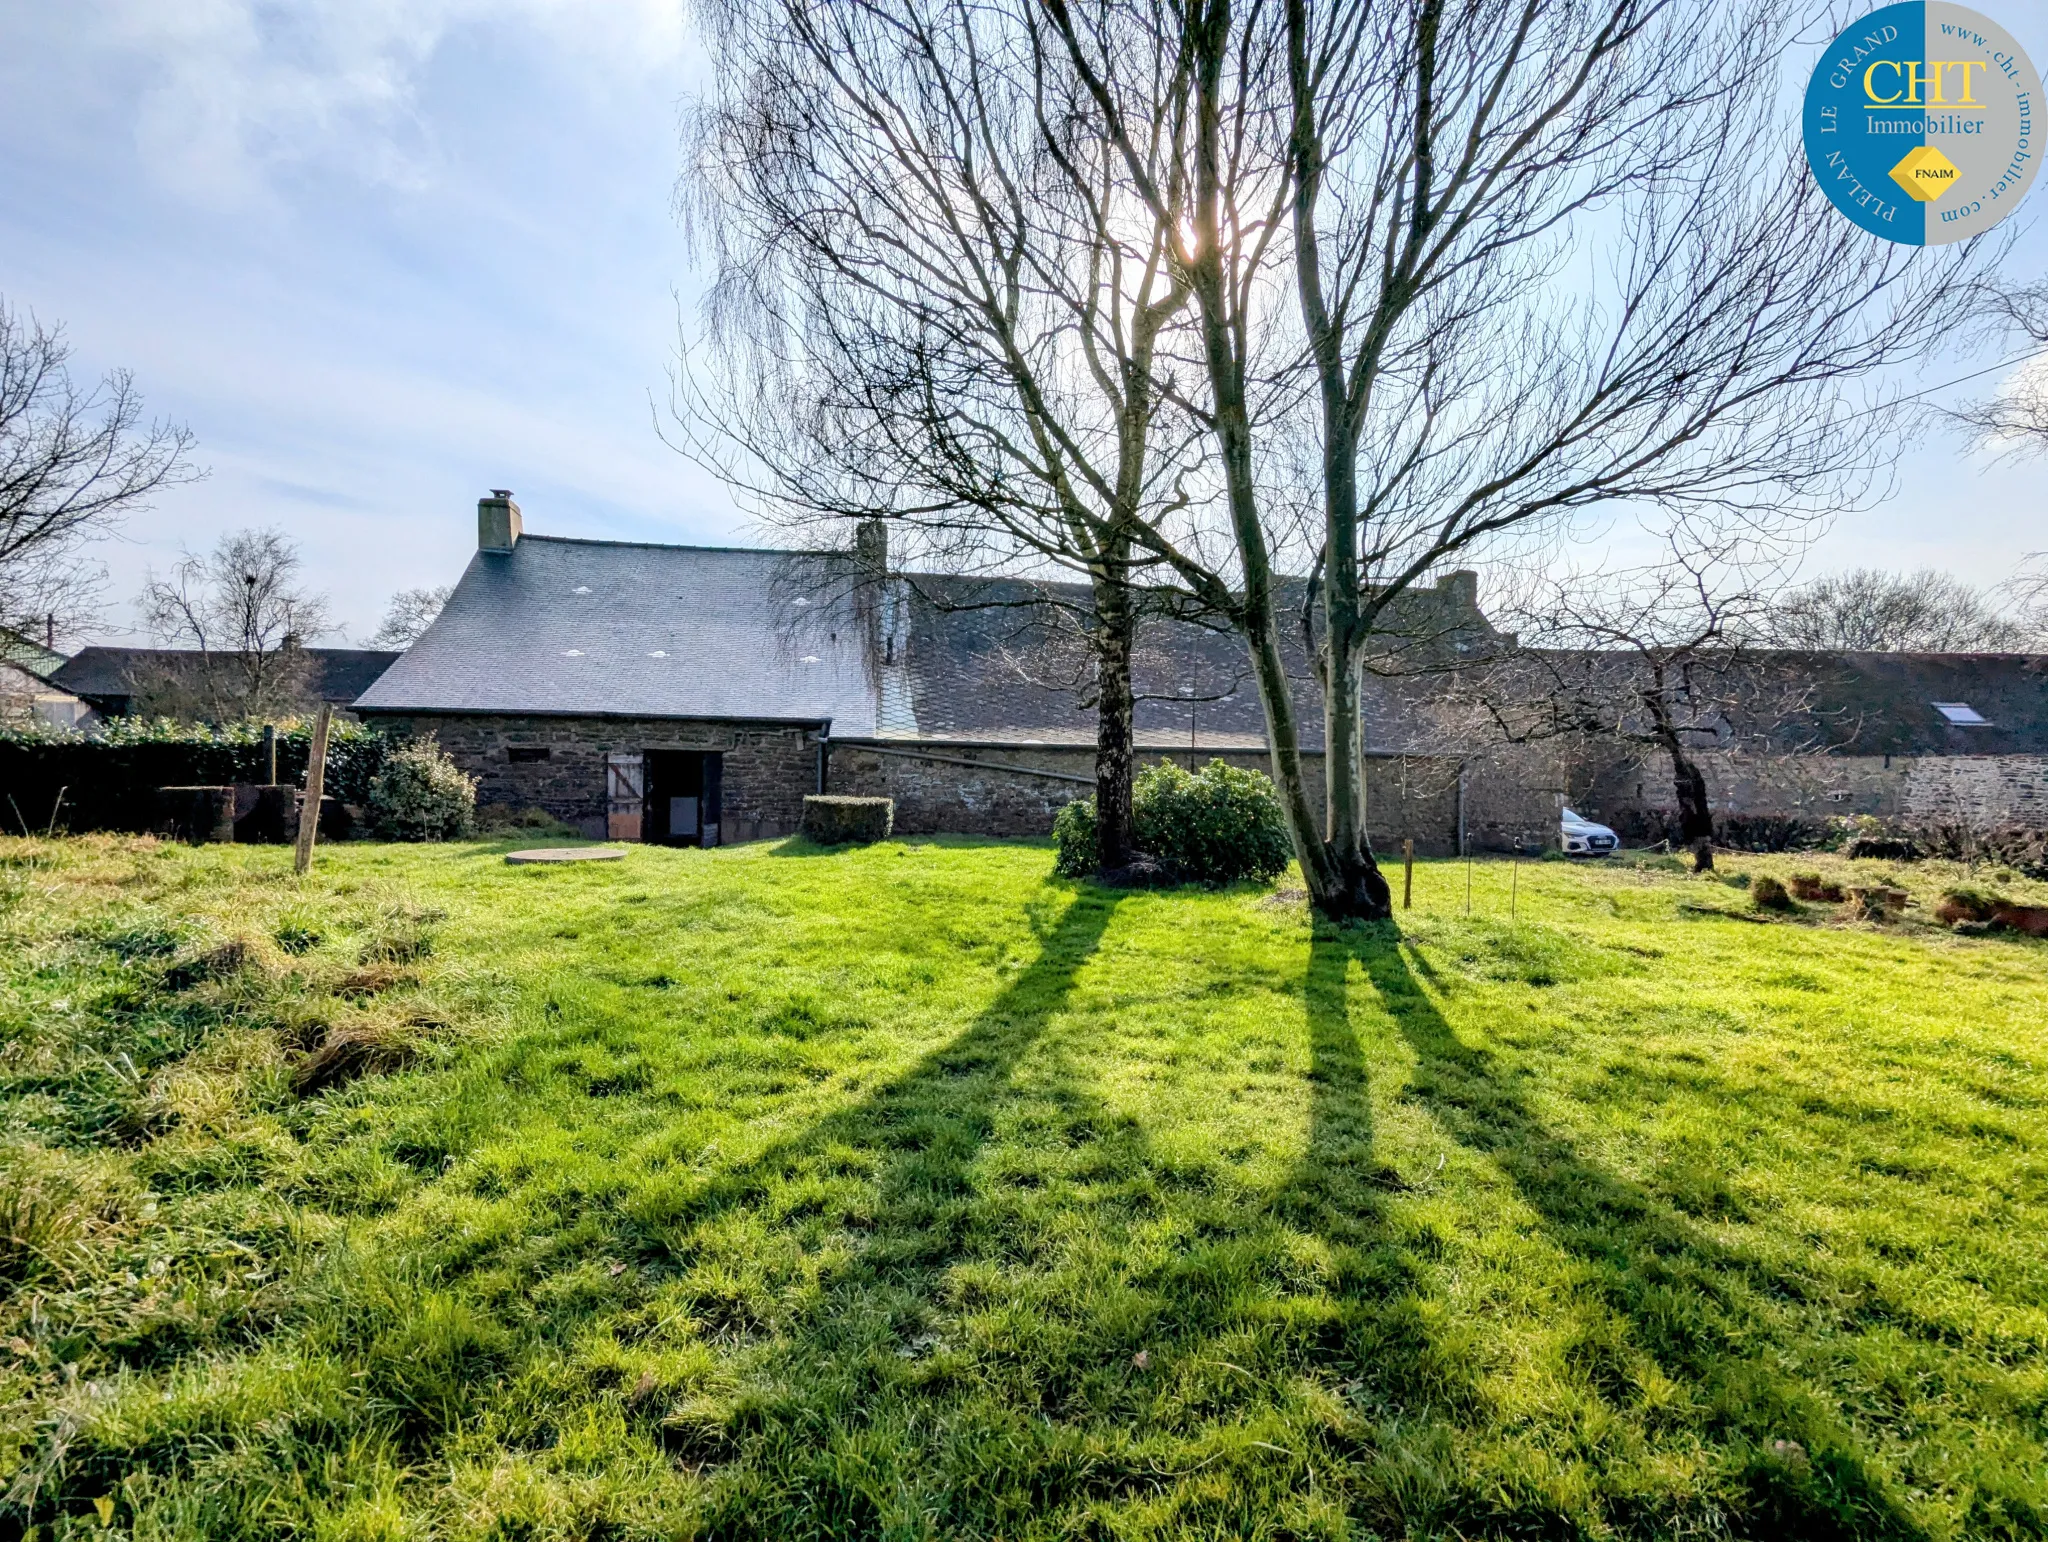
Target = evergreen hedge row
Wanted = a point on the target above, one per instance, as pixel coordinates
(108, 779)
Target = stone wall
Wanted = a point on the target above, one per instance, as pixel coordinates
(1986, 791)
(1511, 800)
(767, 768)
(1016, 790)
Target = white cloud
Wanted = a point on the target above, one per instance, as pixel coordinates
(236, 92)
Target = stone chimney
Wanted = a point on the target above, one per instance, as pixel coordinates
(871, 548)
(497, 521)
(1461, 590)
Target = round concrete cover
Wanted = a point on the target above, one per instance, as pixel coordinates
(565, 854)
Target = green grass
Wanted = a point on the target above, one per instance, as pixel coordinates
(909, 1192)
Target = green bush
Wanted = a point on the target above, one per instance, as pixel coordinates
(1211, 826)
(834, 821)
(421, 795)
(1073, 839)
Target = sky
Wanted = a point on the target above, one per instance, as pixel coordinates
(383, 255)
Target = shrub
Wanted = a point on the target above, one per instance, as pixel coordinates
(421, 795)
(108, 777)
(2014, 847)
(1210, 826)
(1772, 832)
(1769, 894)
(1073, 839)
(832, 821)
(1881, 848)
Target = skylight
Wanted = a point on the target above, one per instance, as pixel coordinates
(1962, 714)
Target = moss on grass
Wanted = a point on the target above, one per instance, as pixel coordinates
(911, 1192)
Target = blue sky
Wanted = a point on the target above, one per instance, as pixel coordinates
(384, 254)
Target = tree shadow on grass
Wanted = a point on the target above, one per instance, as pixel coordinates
(840, 1389)
(1693, 1306)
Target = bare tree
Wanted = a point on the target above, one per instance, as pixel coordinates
(73, 462)
(1657, 659)
(2026, 595)
(935, 305)
(1872, 611)
(243, 611)
(1461, 272)
(410, 613)
(2015, 420)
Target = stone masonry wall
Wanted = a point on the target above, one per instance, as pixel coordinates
(767, 769)
(994, 793)
(1987, 791)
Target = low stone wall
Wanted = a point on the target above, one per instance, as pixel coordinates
(1015, 790)
(767, 768)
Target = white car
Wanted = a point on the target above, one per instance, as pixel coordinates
(1583, 838)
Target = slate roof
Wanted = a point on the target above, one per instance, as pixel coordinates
(574, 627)
(107, 677)
(979, 669)
(1883, 703)
(615, 628)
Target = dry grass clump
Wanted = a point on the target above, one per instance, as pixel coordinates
(1766, 893)
(53, 1207)
(365, 1046)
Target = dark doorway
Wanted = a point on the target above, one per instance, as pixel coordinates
(682, 797)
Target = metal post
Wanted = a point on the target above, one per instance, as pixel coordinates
(1407, 872)
(316, 784)
(1514, 882)
(1468, 883)
(270, 754)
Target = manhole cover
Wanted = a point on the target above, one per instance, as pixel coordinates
(565, 854)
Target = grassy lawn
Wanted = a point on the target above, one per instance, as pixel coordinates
(909, 1192)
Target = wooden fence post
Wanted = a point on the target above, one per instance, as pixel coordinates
(1407, 872)
(316, 784)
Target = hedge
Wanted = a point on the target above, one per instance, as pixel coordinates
(108, 778)
(834, 821)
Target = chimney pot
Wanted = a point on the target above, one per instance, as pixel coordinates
(497, 521)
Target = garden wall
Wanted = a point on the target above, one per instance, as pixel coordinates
(1015, 790)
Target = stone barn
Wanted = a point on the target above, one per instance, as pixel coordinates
(694, 695)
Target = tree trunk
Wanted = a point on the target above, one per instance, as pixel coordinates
(1695, 814)
(1113, 728)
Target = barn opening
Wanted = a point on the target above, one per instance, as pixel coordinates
(682, 807)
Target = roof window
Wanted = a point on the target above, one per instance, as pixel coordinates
(1962, 714)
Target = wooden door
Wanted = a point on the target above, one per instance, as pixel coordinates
(625, 794)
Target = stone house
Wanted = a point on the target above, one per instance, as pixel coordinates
(695, 694)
